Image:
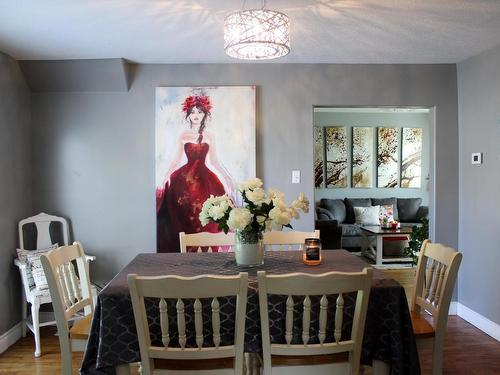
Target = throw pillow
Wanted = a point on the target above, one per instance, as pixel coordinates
(336, 207)
(385, 202)
(367, 215)
(35, 264)
(386, 212)
(22, 255)
(350, 203)
(408, 208)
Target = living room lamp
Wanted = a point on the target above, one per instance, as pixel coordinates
(257, 34)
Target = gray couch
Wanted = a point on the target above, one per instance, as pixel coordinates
(408, 211)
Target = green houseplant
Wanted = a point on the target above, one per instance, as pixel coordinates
(418, 235)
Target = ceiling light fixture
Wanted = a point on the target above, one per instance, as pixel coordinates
(257, 34)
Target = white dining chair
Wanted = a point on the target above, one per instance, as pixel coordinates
(37, 234)
(205, 241)
(209, 357)
(71, 298)
(289, 240)
(323, 357)
(437, 271)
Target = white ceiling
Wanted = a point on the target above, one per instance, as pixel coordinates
(191, 31)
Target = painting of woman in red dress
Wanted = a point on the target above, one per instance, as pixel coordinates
(194, 174)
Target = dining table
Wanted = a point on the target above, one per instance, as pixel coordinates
(388, 336)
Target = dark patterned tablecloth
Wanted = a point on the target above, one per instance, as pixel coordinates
(113, 340)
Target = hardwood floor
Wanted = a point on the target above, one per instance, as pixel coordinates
(19, 359)
(467, 351)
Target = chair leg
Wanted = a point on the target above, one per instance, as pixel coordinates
(35, 307)
(24, 315)
(65, 345)
(437, 355)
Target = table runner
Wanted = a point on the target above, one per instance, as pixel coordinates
(388, 332)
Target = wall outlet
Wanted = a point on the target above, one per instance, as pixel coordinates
(295, 177)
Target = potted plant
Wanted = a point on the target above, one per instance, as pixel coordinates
(258, 212)
(418, 235)
(406, 276)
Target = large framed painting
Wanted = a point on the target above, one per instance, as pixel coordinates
(319, 151)
(387, 158)
(205, 143)
(411, 163)
(336, 156)
(362, 157)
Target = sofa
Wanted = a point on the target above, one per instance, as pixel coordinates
(408, 211)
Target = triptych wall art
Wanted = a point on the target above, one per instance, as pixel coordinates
(397, 151)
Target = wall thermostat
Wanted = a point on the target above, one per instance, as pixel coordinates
(477, 158)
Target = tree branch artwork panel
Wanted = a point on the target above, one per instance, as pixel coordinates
(336, 157)
(411, 165)
(387, 158)
(362, 157)
(319, 150)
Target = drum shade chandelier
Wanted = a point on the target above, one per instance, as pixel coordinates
(257, 34)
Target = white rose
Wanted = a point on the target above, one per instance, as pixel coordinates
(251, 184)
(280, 217)
(256, 196)
(239, 218)
(276, 194)
(293, 212)
(301, 203)
(204, 219)
(217, 212)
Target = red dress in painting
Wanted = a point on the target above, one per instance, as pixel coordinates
(180, 204)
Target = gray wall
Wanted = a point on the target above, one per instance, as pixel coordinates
(15, 183)
(479, 99)
(94, 154)
(398, 120)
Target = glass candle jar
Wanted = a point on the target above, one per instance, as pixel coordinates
(312, 251)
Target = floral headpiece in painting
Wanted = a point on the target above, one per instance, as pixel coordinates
(198, 101)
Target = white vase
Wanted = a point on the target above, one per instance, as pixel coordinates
(248, 249)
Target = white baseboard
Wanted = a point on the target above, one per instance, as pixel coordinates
(484, 324)
(453, 308)
(10, 337)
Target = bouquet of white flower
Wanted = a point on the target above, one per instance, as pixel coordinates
(259, 212)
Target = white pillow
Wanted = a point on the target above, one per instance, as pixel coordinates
(367, 215)
(22, 255)
(35, 264)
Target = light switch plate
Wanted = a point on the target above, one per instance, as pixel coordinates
(295, 177)
(477, 158)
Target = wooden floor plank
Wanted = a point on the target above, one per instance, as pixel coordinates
(467, 351)
(19, 359)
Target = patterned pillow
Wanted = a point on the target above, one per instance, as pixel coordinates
(22, 255)
(386, 212)
(35, 265)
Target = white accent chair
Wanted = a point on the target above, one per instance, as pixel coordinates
(214, 241)
(437, 271)
(322, 358)
(41, 227)
(70, 295)
(289, 240)
(209, 358)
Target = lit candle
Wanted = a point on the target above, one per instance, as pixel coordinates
(312, 251)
